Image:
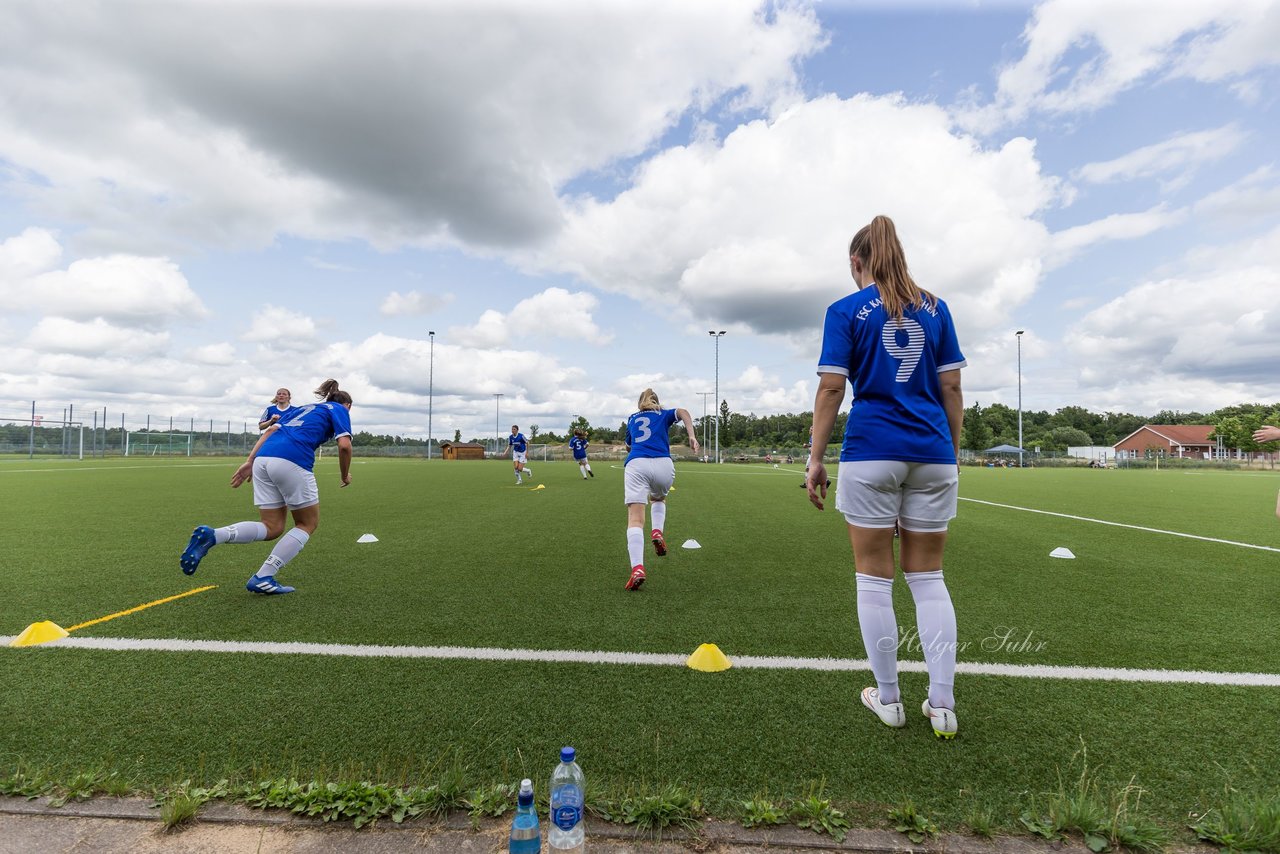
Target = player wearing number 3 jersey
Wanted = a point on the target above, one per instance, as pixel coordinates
(648, 475)
(896, 345)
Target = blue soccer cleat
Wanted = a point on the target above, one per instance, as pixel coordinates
(202, 540)
(266, 585)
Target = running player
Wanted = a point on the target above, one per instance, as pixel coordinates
(277, 410)
(896, 344)
(578, 444)
(648, 475)
(518, 446)
(280, 465)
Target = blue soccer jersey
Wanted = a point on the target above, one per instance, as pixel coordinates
(647, 433)
(308, 428)
(518, 443)
(897, 411)
(579, 448)
(275, 410)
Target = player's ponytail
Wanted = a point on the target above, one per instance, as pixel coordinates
(648, 400)
(880, 251)
(330, 393)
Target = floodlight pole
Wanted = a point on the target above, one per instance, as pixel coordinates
(705, 395)
(431, 389)
(497, 398)
(717, 336)
(1018, 334)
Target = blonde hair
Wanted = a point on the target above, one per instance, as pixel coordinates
(880, 251)
(648, 400)
(330, 393)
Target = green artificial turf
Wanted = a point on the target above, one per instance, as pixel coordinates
(466, 559)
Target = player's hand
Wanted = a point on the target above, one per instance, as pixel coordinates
(242, 473)
(346, 479)
(816, 482)
(1266, 433)
(274, 418)
(693, 446)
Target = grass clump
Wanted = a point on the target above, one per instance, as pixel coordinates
(180, 804)
(982, 822)
(1242, 822)
(908, 820)
(816, 813)
(761, 812)
(670, 806)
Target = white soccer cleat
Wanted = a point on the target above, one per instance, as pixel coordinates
(890, 714)
(943, 720)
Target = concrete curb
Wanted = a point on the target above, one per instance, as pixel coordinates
(490, 835)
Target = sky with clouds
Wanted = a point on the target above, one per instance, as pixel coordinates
(201, 200)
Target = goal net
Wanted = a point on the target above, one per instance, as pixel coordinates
(146, 444)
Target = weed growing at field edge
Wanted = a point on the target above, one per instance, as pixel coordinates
(1242, 822)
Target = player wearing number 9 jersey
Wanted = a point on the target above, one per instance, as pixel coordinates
(648, 475)
(281, 466)
(895, 343)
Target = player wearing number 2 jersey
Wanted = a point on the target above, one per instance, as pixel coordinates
(896, 345)
(648, 475)
(280, 465)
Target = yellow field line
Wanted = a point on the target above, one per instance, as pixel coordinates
(140, 607)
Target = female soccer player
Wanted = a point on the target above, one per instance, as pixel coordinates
(648, 475)
(281, 467)
(578, 444)
(896, 344)
(277, 410)
(518, 445)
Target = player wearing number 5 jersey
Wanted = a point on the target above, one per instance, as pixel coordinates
(896, 345)
(648, 475)
(281, 466)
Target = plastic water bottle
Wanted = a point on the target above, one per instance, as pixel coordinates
(568, 787)
(526, 838)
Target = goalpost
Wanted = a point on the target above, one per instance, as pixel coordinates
(157, 444)
(537, 452)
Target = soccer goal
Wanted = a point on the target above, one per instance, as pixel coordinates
(537, 452)
(146, 444)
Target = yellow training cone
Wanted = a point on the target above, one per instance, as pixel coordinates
(38, 633)
(709, 659)
(539, 486)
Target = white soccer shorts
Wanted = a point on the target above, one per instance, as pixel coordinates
(647, 478)
(280, 483)
(519, 456)
(920, 497)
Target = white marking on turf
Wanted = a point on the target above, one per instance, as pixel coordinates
(122, 468)
(1122, 525)
(569, 656)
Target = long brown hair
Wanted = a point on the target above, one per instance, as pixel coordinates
(880, 251)
(330, 393)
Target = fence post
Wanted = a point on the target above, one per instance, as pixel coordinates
(31, 443)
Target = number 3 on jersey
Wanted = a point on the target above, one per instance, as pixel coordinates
(645, 432)
(909, 354)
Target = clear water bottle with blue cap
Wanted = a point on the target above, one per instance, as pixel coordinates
(526, 836)
(568, 790)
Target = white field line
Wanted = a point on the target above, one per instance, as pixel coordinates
(1122, 525)
(564, 656)
(156, 467)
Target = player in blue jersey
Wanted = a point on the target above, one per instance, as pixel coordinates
(648, 475)
(578, 444)
(896, 345)
(518, 446)
(278, 409)
(280, 465)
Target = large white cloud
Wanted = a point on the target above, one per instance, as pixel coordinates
(126, 290)
(395, 122)
(1081, 54)
(554, 313)
(755, 230)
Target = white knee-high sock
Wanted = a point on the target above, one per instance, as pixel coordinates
(240, 532)
(936, 622)
(879, 633)
(658, 514)
(286, 550)
(635, 546)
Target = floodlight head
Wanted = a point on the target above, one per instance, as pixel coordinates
(1020, 331)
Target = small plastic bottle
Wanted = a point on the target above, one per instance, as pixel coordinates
(526, 836)
(568, 788)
